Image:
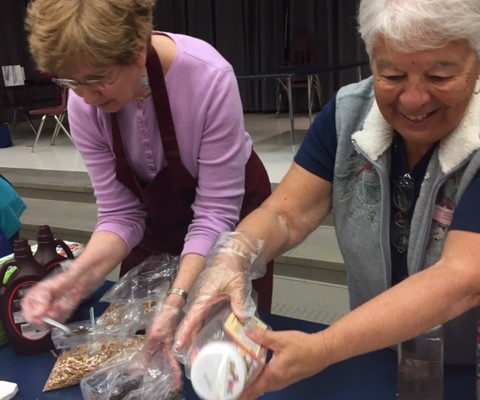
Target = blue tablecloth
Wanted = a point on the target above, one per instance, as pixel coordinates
(368, 377)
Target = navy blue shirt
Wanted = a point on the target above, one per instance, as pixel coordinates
(317, 155)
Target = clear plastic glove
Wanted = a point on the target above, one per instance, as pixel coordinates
(160, 339)
(230, 267)
(58, 295)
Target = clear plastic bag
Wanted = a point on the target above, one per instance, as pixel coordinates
(135, 298)
(130, 317)
(76, 361)
(133, 378)
(150, 279)
(127, 321)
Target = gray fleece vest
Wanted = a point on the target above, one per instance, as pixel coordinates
(361, 202)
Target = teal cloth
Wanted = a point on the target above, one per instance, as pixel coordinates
(11, 209)
(5, 245)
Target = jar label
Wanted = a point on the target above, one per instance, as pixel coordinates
(234, 327)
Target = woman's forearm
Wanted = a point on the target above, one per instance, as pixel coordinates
(104, 252)
(190, 268)
(426, 299)
(295, 208)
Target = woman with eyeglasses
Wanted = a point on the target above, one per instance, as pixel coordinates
(158, 120)
(396, 159)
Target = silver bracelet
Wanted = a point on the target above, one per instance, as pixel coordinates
(179, 292)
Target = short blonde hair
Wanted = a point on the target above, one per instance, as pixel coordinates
(99, 33)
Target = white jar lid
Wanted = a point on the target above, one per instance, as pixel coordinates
(218, 372)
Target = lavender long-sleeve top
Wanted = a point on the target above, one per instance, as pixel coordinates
(214, 147)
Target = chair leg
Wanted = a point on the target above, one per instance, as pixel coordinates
(309, 98)
(39, 131)
(318, 89)
(29, 120)
(14, 120)
(62, 127)
(290, 112)
(278, 97)
(25, 113)
(55, 131)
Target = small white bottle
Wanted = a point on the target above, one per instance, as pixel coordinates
(223, 360)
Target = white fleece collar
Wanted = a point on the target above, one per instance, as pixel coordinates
(377, 135)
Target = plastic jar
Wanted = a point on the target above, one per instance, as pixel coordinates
(222, 361)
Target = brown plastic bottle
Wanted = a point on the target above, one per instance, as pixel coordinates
(46, 253)
(16, 278)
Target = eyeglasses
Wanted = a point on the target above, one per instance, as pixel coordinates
(74, 84)
(403, 197)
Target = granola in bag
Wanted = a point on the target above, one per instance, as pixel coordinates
(75, 362)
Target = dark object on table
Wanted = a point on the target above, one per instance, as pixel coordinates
(16, 277)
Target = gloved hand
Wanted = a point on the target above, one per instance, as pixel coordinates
(230, 266)
(160, 339)
(59, 295)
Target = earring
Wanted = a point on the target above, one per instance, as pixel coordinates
(146, 85)
(476, 89)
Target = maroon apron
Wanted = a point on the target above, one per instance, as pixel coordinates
(169, 196)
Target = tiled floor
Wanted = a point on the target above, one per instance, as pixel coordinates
(301, 293)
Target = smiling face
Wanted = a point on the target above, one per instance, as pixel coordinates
(423, 95)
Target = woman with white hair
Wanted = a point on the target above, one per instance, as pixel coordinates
(396, 159)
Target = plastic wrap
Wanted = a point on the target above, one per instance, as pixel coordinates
(134, 300)
(126, 318)
(149, 280)
(130, 317)
(136, 297)
(133, 378)
(128, 321)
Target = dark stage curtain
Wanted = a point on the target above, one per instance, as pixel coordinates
(13, 42)
(254, 36)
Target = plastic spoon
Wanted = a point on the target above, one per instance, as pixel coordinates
(58, 325)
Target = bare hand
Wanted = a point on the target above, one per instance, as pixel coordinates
(296, 356)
